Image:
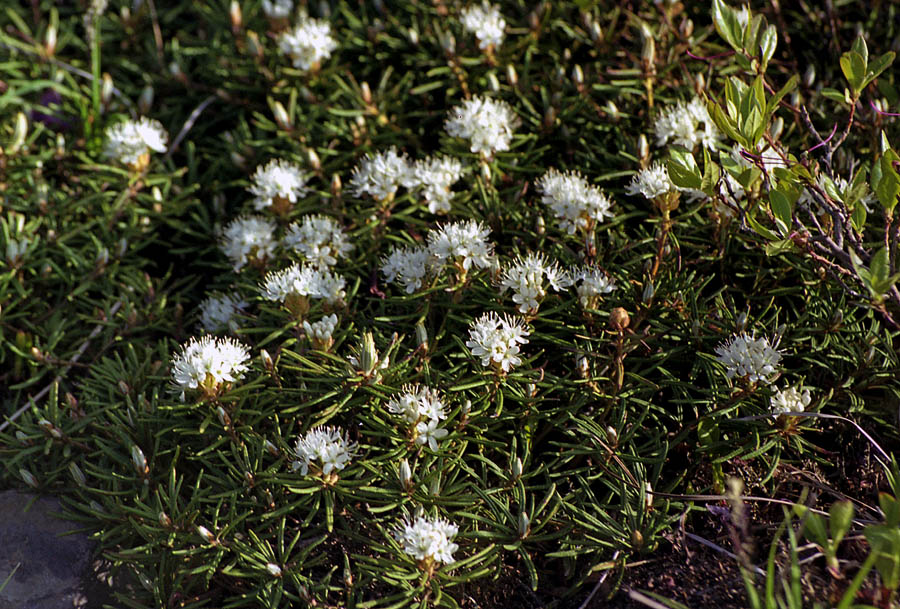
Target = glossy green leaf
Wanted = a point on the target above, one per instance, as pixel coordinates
(727, 24)
(683, 169)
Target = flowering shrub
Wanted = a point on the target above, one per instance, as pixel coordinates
(372, 305)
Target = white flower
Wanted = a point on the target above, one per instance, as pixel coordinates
(308, 43)
(320, 332)
(277, 183)
(525, 277)
(496, 340)
(789, 400)
(416, 403)
(462, 244)
(576, 204)
(429, 433)
(486, 123)
(208, 363)
(408, 266)
(750, 358)
(435, 176)
(681, 123)
(130, 142)
(426, 538)
(651, 182)
(324, 448)
(303, 281)
(319, 239)
(382, 174)
(249, 239)
(218, 311)
(594, 284)
(486, 23)
(277, 9)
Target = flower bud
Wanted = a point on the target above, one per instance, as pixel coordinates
(686, 28)
(206, 535)
(648, 500)
(28, 477)
(164, 520)
(76, 473)
(20, 132)
(612, 436)
(612, 110)
(106, 89)
(578, 75)
(741, 323)
(267, 360)
(776, 128)
(273, 569)
(517, 468)
(422, 336)
(531, 389)
(22, 437)
(272, 449)
(145, 100)
(619, 319)
(366, 93)
(313, 158)
(584, 367)
(234, 12)
(281, 116)
(224, 419)
(512, 77)
(139, 461)
(50, 39)
(336, 185)
(406, 476)
(648, 52)
(413, 36)
(643, 148)
(50, 428)
(524, 525)
(434, 488)
(254, 46)
(493, 83)
(809, 76)
(596, 32)
(448, 43)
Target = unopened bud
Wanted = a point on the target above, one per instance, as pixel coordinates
(448, 43)
(583, 366)
(422, 336)
(266, 360)
(686, 28)
(643, 147)
(106, 89)
(20, 132)
(612, 436)
(272, 449)
(139, 461)
(493, 83)
(28, 477)
(517, 468)
(206, 535)
(512, 77)
(524, 525)
(649, 291)
(776, 128)
(76, 473)
(50, 40)
(413, 36)
(50, 428)
(486, 172)
(406, 476)
(145, 100)
(612, 110)
(578, 75)
(273, 569)
(254, 46)
(435, 487)
(313, 158)
(281, 116)
(619, 319)
(224, 419)
(648, 500)
(531, 389)
(164, 520)
(234, 11)
(366, 93)
(699, 83)
(648, 52)
(809, 76)
(741, 323)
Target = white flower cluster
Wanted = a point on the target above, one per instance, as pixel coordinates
(325, 449)
(303, 281)
(651, 182)
(749, 358)
(681, 123)
(319, 239)
(426, 538)
(487, 124)
(423, 409)
(576, 204)
(249, 239)
(408, 266)
(308, 43)
(277, 184)
(496, 340)
(209, 363)
(131, 142)
(380, 175)
(319, 332)
(789, 400)
(486, 23)
(218, 312)
(434, 176)
(594, 284)
(526, 276)
(462, 244)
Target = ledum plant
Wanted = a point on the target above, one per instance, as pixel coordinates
(798, 201)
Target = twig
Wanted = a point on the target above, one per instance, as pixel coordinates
(599, 583)
(719, 548)
(31, 401)
(189, 123)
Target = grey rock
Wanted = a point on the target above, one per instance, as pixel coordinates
(53, 566)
